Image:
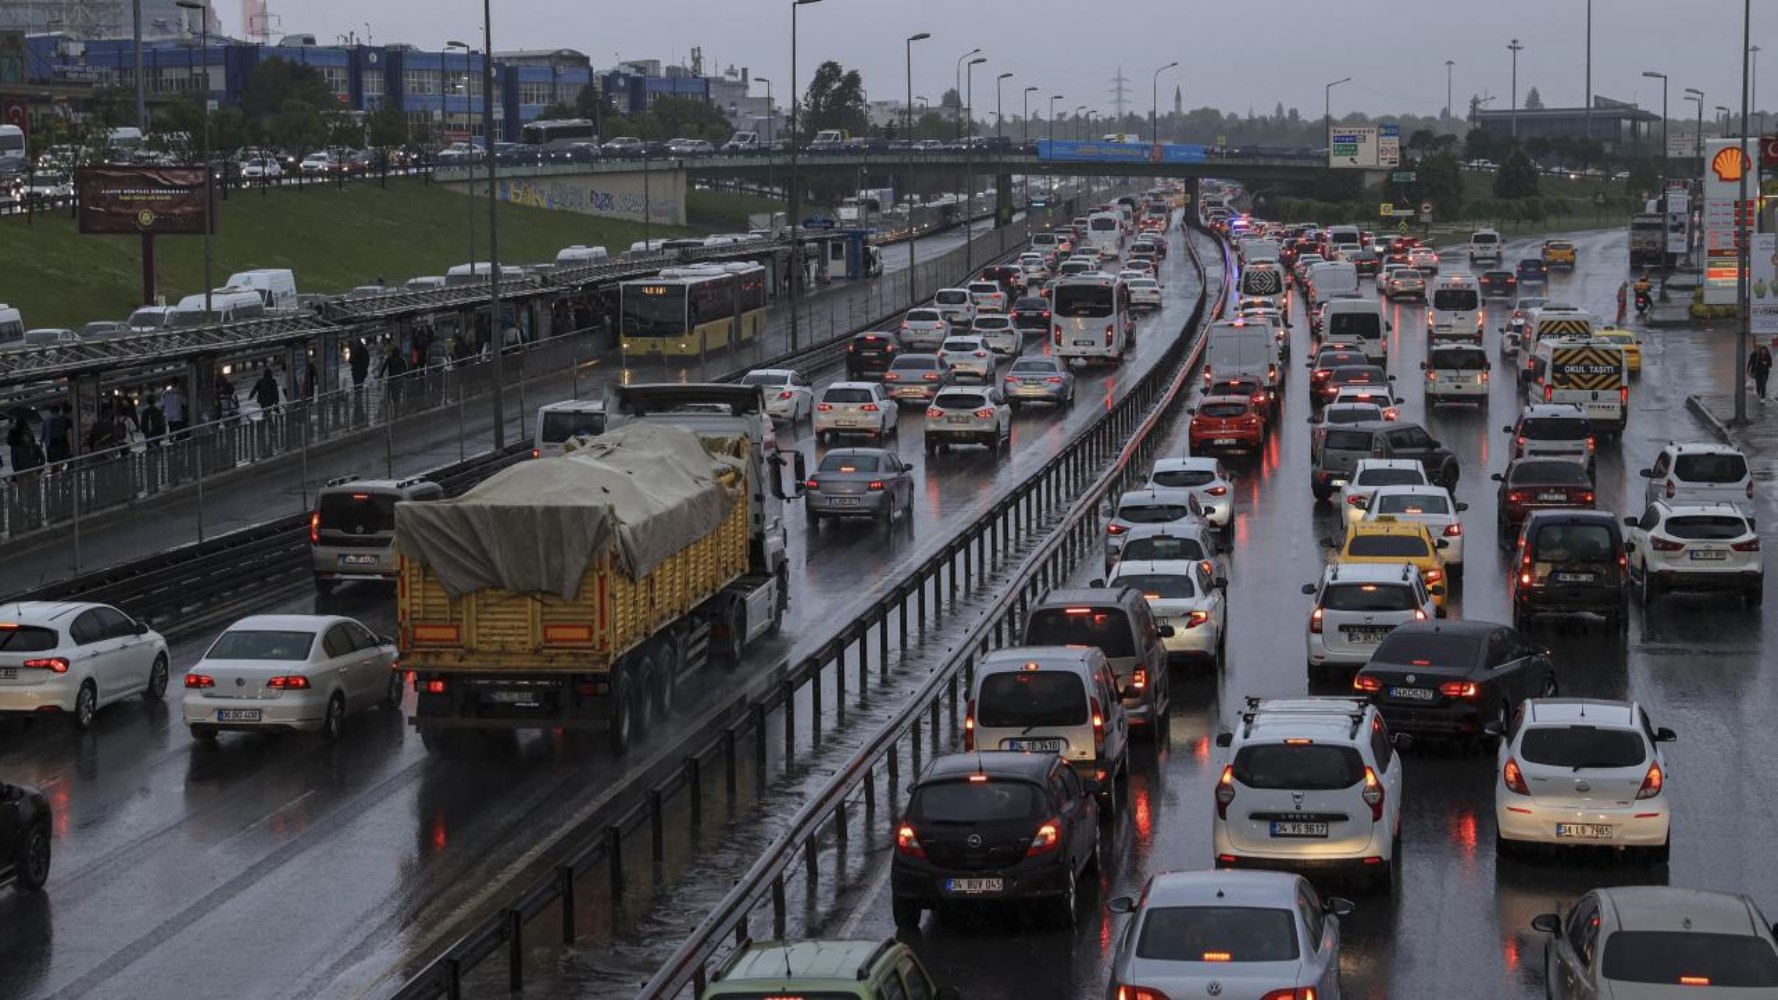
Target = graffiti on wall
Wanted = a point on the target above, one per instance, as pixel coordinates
(572, 196)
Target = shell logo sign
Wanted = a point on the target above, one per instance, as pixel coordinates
(1730, 163)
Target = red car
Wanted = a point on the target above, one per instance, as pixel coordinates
(1226, 423)
(1530, 484)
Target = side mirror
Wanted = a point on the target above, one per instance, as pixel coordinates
(1220, 583)
(1097, 583)
(1192, 410)
(1164, 631)
(1461, 506)
(1425, 367)
(1507, 429)
(1432, 444)
(1493, 729)
(142, 629)
(1646, 473)
(1436, 590)
(1225, 739)
(1497, 477)
(1309, 588)
(1444, 543)
(1549, 923)
(1629, 546)
(386, 640)
(1665, 735)
(1338, 906)
(1121, 904)
(1391, 378)
(1329, 543)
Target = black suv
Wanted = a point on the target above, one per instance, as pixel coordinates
(869, 354)
(1571, 561)
(1343, 446)
(24, 836)
(994, 826)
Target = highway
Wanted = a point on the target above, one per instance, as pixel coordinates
(178, 862)
(1459, 923)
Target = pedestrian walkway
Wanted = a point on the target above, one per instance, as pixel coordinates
(280, 475)
(1758, 437)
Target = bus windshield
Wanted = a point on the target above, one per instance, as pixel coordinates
(653, 310)
(1084, 301)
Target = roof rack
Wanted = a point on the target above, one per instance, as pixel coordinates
(1352, 708)
(878, 952)
(340, 481)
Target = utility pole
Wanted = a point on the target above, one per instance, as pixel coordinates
(1589, 70)
(494, 329)
(1120, 94)
(1515, 48)
(1448, 113)
(136, 57)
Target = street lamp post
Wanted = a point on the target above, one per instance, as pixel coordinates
(1448, 113)
(969, 165)
(997, 115)
(957, 112)
(493, 228)
(444, 103)
(1723, 113)
(1052, 124)
(1694, 94)
(1079, 122)
(1025, 121)
(1744, 223)
(1652, 75)
(1589, 115)
(771, 130)
(913, 289)
(1327, 109)
(796, 194)
(1154, 105)
(203, 10)
(1753, 89)
(1515, 48)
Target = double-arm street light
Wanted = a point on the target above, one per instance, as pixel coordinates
(1025, 122)
(1652, 75)
(1154, 107)
(771, 131)
(1327, 108)
(913, 289)
(957, 113)
(1694, 94)
(795, 192)
(1052, 124)
(1515, 48)
(1002, 78)
(968, 163)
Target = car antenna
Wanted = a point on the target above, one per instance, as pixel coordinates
(788, 974)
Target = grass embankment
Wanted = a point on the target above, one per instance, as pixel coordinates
(727, 211)
(333, 238)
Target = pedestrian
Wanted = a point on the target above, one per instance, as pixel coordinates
(1623, 294)
(27, 454)
(58, 435)
(265, 391)
(152, 420)
(102, 435)
(1760, 367)
(228, 403)
(359, 358)
(173, 408)
(309, 378)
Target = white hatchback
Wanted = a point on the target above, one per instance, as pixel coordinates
(998, 332)
(1183, 594)
(74, 657)
(1145, 293)
(956, 305)
(1370, 474)
(924, 329)
(1357, 605)
(1205, 476)
(298, 672)
(1577, 772)
(969, 357)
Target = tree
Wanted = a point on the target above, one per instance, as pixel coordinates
(951, 100)
(1486, 144)
(276, 82)
(1517, 177)
(1533, 100)
(1439, 179)
(835, 99)
(685, 117)
(1422, 139)
(1644, 177)
(297, 126)
(386, 127)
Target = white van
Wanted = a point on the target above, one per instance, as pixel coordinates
(1105, 233)
(1330, 278)
(276, 285)
(12, 324)
(150, 319)
(1484, 244)
(1238, 348)
(1043, 699)
(566, 420)
(1361, 321)
(1456, 372)
(1454, 308)
(1345, 239)
(477, 273)
(579, 256)
(227, 305)
(425, 283)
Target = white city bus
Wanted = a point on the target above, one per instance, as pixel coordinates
(1091, 319)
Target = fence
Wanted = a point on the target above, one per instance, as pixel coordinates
(738, 732)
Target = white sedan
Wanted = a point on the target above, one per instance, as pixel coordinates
(67, 656)
(1429, 505)
(788, 394)
(1183, 594)
(301, 672)
(1205, 476)
(1145, 293)
(1583, 773)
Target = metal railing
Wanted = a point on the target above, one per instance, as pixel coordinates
(737, 734)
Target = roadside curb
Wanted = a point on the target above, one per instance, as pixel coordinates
(1711, 421)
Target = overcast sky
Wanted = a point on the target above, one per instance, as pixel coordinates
(1258, 52)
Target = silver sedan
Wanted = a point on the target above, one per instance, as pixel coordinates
(301, 672)
(860, 482)
(1039, 380)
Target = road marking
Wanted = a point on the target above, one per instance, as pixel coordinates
(850, 926)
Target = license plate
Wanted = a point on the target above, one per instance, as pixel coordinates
(1412, 694)
(237, 715)
(512, 697)
(1365, 636)
(973, 886)
(1558, 497)
(1584, 831)
(1574, 577)
(9, 673)
(957, 420)
(1298, 828)
(1708, 554)
(846, 423)
(358, 560)
(845, 501)
(1083, 343)
(1031, 746)
(1222, 441)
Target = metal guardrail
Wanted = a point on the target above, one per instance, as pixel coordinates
(921, 596)
(919, 719)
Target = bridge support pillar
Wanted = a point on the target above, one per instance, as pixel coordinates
(1003, 206)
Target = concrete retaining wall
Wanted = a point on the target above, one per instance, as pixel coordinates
(658, 195)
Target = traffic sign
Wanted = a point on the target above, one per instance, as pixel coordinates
(1402, 226)
(1402, 177)
(1386, 210)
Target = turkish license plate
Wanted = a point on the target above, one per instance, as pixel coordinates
(1298, 828)
(1032, 746)
(1584, 831)
(1222, 441)
(1365, 636)
(238, 715)
(1574, 577)
(973, 886)
(846, 422)
(1556, 497)
(1083, 343)
(845, 501)
(512, 697)
(1412, 694)
(358, 560)
(1709, 554)
(9, 673)
(958, 420)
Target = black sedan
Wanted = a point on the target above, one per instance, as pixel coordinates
(1499, 284)
(1451, 679)
(24, 836)
(996, 826)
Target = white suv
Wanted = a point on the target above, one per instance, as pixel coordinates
(1484, 244)
(855, 408)
(1697, 473)
(968, 415)
(1312, 785)
(1582, 773)
(956, 305)
(1372, 473)
(1695, 547)
(1356, 605)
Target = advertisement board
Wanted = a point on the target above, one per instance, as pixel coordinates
(1118, 152)
(1763, 269)
(1678, 217)
(159, 201)
(1364, 147)
(1725, 162)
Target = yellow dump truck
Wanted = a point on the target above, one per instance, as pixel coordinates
(579, 591)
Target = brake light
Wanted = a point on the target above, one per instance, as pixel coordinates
(869, 407)
(54, 664)
(907, 842)
(1459, 689)
(1652, 782)
(1373, 794)
(985, 414)
(1751, 545)
(1549, 393)
(930, 377)
(1365, 682)
(824, 407)
(1109, 332)
(1453, 530)
(1355, 499)
(1484, 378)
(876, 485)
(812, 484)
(1217, 491)
(199, 681)
(1586, 497)
(1514, 778)
(1139, 993)
(534, 454)
(891, 377)
(1197, 618)
(1098, 721)
(1432, 376)
(315, 524)
(1058, 337)
(1047, 839)
(1419, 614)
(1514, 496)
(1434, 575)
(1139, 679)
(1225, 791)
(291, 682)
(1623, 395)
(786, 395)
(1115, 529)
(1321, 373)
(1665, 545)
(436, 686)
(1057, 380)
(1315, 622)
(1671, 489)
(1694, 980)
(934, 413)
(1591, 444)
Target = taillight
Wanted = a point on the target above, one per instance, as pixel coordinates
(1671, 489)
(869, 407)
(1419, 614)
(876, 485)
(1453, 530)
(1434, 575)
(1652, 782)
(435, 686)
(786, 395)
(534, 454)
(1315, 621)
(1549, 393)
(1586, 497)
(291, 682)
(1115, 529)
(1057, 380)
(1139, 993)
(1623, 395)
(934, 413)
(1591, 443)
(1109, 333)
(199, 681)
(1139, 679)
(1217, 491)
(1514, 778)
(54, 664)
(1373, 794)
(1355, 500)
(1484, 378)
(1751, 545)
(1432, 376)
(1058, 336)
(1365, 682)
(1047, 838)
(930, 377)
(906, 842)
(1098, 721)
(824, 407)
(1514, 496)
(1225, 791)
(1197, 618)
(1665, 545)
(969, 725)
(315, 522)
(812, 484)
(1459, 689)
(987, 414)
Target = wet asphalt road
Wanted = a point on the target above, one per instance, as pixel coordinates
(1459, 923)
(279, 866)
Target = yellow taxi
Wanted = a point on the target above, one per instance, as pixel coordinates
(1627, 340)
(1389, 540)
(1558, 253)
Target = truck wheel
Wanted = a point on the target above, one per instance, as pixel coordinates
(623, 712)
(438, 742)
(669, 664)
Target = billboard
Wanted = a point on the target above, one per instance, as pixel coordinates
(1118, 152)
(1763, 295)
(1364, 147)
(159, 201)
(1679, 215)
(1725, 162)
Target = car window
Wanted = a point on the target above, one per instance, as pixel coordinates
(977, 801)
(1179, 478)
(338, 641)
(1583, 930)
(1217, 934)
(1348, 440)
(1661, 465)
(892, 989)
(370, 513)
(1428, 649)
(1554, 428)
(1031, 698)
(1163, 547)
(1071, 786)
(1711, 468)
(113, 624)
(1222, 411)
(914, 978)
(960, 401)
(1411, 503)
(1152, 513)
(87, 628)
(847, 395)
(1313, 916)
(1368, 597)
(849, 463)
(16, 638)
(1310, 767)
(262, 644)
(1578, 746)
(1106, 629)
(1157, 585)
(1381, 749)
(1690, 957)
(362, 637)
(1561, 543)
(1551, 473)
(1706, 527)
(1410, 437)
(1391, 477)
